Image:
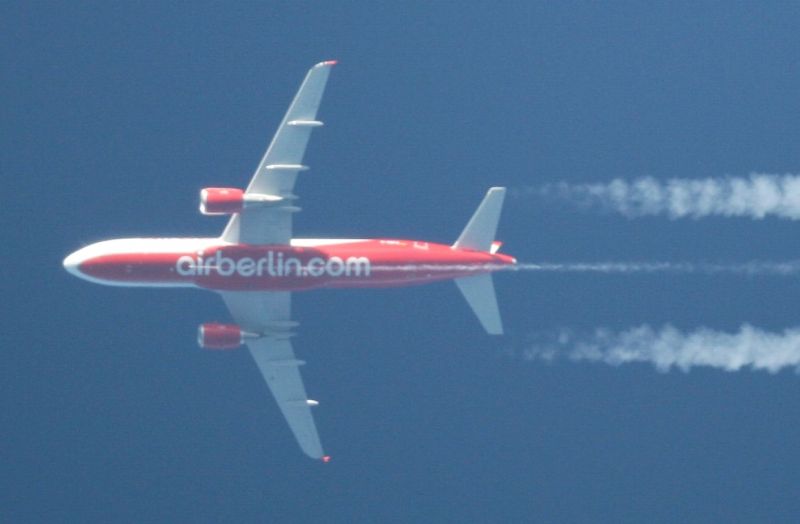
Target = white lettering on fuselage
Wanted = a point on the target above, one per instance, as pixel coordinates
(272, 264)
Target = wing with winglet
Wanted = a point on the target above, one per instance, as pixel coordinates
(272, 184)
(267, 315)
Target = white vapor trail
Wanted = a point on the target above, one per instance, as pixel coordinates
(753, 268)
(668, 348)
(757, 196)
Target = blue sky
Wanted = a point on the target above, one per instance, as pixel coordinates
(114, 117)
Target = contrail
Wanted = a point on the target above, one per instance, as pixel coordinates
(753, 268)
(668, 348)
(757, 196)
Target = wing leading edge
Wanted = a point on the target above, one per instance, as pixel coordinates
(276, 173)
(267, 314)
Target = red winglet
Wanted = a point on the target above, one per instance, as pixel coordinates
(326, 459)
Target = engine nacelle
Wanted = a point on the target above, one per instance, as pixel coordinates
(221, 200)
(219, 336)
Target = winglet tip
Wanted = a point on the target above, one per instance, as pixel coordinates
(326, 459)
(327, 63)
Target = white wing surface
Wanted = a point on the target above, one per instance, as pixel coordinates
(479, 292)
(277, 171)
(268, 315)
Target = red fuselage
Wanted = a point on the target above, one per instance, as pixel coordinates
(211, 263)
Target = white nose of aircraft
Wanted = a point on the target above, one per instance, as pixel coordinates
(72, 263)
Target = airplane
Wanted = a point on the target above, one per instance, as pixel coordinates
(256, 264)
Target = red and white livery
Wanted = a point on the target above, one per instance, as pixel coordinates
(255, 264)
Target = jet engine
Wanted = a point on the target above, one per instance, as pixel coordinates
(221, 200)
(219, 336)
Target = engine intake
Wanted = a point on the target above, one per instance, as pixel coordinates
(221, 200)
(219, 336)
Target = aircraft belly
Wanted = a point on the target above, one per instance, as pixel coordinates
(244, 267)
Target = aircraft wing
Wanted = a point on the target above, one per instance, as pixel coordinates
(267, 314)
(278, 169)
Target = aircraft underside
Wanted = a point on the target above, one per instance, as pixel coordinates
(255, 264)
(209, 264)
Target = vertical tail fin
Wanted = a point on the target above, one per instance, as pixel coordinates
(479, 235)
(481, 228)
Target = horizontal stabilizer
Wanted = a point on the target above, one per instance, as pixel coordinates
(479, 292)
(480, 231)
